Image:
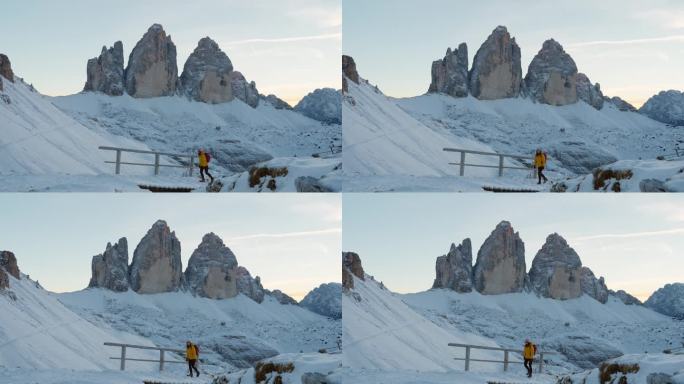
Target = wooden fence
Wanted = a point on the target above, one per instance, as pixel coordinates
(162, 358)
(157, 157)
(501, 157)
(506, 359)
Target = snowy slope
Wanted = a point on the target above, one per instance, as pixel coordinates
(38, 332)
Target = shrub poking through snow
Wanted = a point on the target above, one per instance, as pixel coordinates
(262, 371)
(603, 175)
(257, 173)
(607, 370)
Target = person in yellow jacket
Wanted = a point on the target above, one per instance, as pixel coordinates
(540, 164)
(191, 355)
(529, 350)
(203, 158)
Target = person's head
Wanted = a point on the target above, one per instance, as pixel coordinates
(188, 343)
(527, 341)
(538, 151)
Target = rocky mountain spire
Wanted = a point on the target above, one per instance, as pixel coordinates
(620, 104)
(666, 107)
(248, 285)
(588, 92)
(8, 267)
(110, 268)
(156, 265)
(454, 270)
(351, 266)
(206, 74)
(592, 286)
(450, 75)
(625, 297)
(500, 265)
(348, 71)
(552, 76)
(496, 72)
(106, 72)
(152, 69)
(6, 68)
(668, 300)
(211, 270)
(556, 270)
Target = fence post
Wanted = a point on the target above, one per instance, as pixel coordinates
(161, 360)
(123, 357)
(467, 359)
(156, 164)
(118, 161)
(541, 361)
(505, 360)
(192, 164)
(501, 158)
(462, 168)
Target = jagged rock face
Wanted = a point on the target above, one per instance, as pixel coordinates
(6, 68)
(348, 71)
(106, 72)
(110, 269)
(556, 270)
(500, 266)
(588, 92)
(450, 75)
(454, 270)
(552, 76)
(666, 107)
(324, 105)
(351, 266)
(152, 69)
(211, 270)
(592, 286)
(9, 263)
(620, 104)
(4, 279)
(668, 300)
(206, 74)
(496, 72)
(243, 90)
(625, 297)
(282, 297)
(249, 286)
(156, 265)
(325, 300)
(276, 102)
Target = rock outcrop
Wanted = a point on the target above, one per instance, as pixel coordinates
(106, 73)
(351, 266)
(206, 75)
(496, 72)
(454, 270)
(450, 75)
(625, 297)
(500, 265)
(668, 300)
(243, 90)
(152, 70)
(588, 92)
(110, 268)
(6, 68)
(282, 297)
(552, 76)
(592, 286)
(348, 71)
(666, 107)
(620, 104)
(248, 285)
(156, 265)
(211, 270)
(323, 104)
(8, 262)
(325, 300)
(556, 270)
(275, 101)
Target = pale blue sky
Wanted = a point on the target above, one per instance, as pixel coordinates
(288, 47)
(292, 241)
(635, 240)
(634, 48)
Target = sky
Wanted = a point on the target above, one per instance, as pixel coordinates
(636, 241)
(292, 241)
(289, 48)
(633, 48)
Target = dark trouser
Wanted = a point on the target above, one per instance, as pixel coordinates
(191, 366)
(540, 175)
(528, 365)
(204, 170)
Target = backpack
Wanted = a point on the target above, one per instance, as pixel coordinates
(534, 348)
(206, 154)
(196, 349)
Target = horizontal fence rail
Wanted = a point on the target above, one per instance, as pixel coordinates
(506, 360)
(162, 360)
(157, 157)
(501, 157)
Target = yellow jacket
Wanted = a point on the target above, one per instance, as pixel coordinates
(528, 351)
(539, 160)
(191, 352)
(202, 159)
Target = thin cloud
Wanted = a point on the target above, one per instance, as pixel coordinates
(294, 39)
(663, 232)
(628, 42)
(288, 234)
